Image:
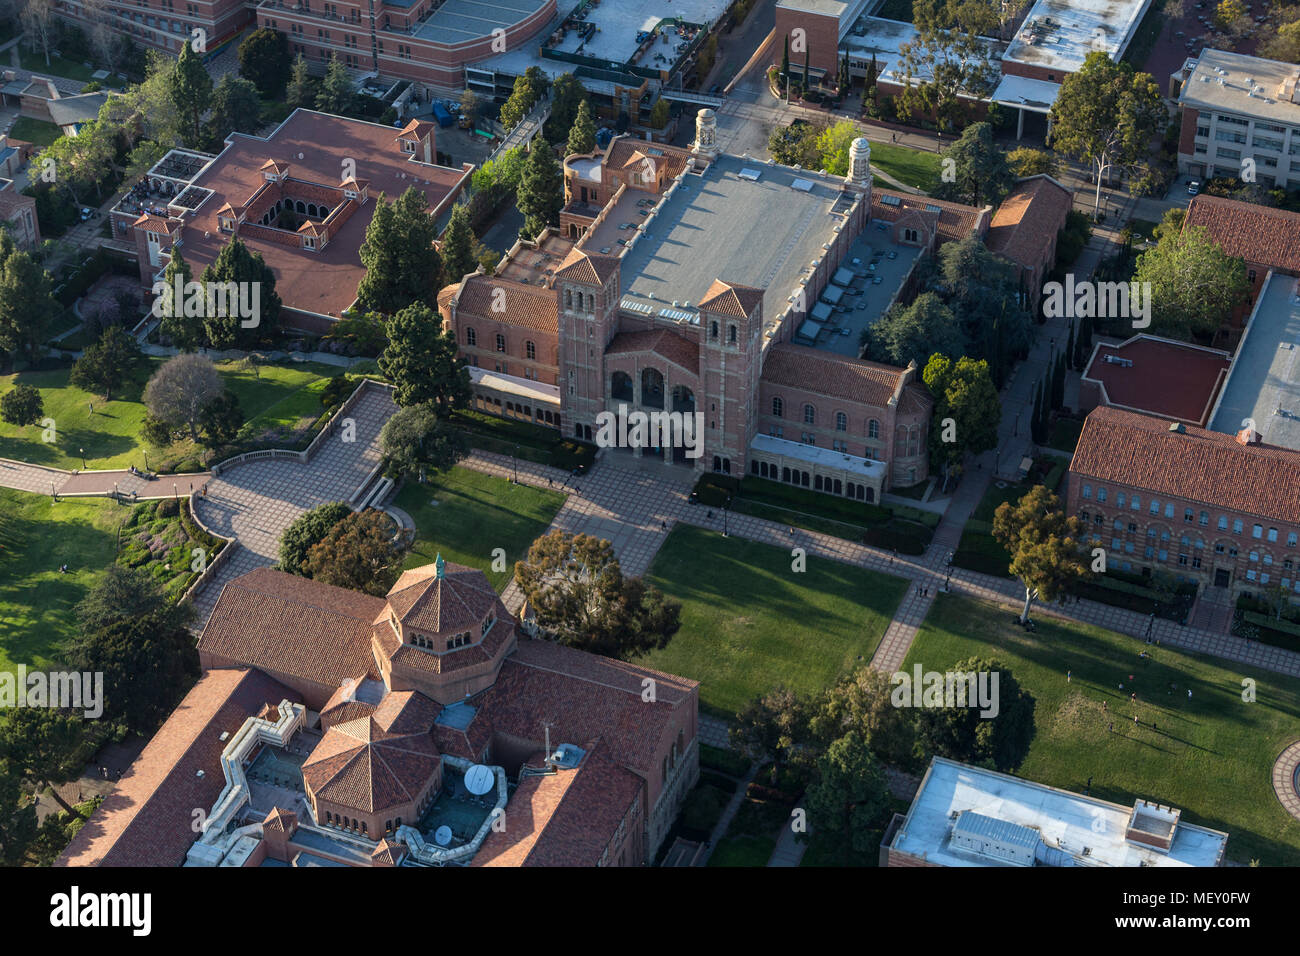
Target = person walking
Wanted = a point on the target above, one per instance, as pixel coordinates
(1068, 675)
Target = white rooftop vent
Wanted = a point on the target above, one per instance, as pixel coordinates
(224, 734)
(751, 174)
(803, 185)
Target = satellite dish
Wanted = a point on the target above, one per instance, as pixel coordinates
(442, 835)
(479, 780)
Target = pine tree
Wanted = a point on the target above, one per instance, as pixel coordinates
(298, 92)
(807, 81)
(541, 192)
(457, 247)
(336, 93)
(785, 58)
(253, 277)
(582, 136)
(660, 115)
(421, 361)
(185, 333)
(402, 264)
(191, 90)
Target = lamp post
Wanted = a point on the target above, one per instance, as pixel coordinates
(725, 506)
(514, 462)
(176, 491)
(82, 451)
(146, 460)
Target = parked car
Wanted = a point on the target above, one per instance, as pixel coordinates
(87, 214)
(1193, 187)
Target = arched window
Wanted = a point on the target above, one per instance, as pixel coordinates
(530, 350)
(841, 422)
(620, 386)
(731, 334)
(873, 429)
(652, 388)
(471, 337)
(713, 330)
(568, 299)
(778, 407)
(501, 342)
(809, 415)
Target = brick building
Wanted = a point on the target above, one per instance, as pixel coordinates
(1024, 230)
(691, 281)
(302, 198)
(165, 24)
(18, 217)
(1219, 509)
(333, 728)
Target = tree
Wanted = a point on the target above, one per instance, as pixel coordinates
(185, 332)
(104, 366)
(191, 89)
(416, 439)
(833, 146)
(860, 703)
(46, 745)
(1284, 45)
(422, 363)
(22, 405)
(979, 170)
(306, 531)
(39, 24)
(576, 588)
(243, 269)
(528, 89)
(968, 734)
(26, 303)
(1045, 545)
(299, 91)
(785, 57)
(457, 250)
(1058, 384)
(471, 106)
(541, 190)
(842, 80)
(772, 725)
(222, 419)
(1106, 115)
(946, 58)
(18, 824)
(660, 114)
(582, 137)
(795, 145)
(358, 553)
(985, 291)
(236, 107)
(1026, 161)
(965, 394)
(402, 263)
(337, 94)
(264, 61)
(1227, 13)
(912, 333)
(139, 640)
(181, 390)
(567, 96)
(849, 795)
(1195, 285)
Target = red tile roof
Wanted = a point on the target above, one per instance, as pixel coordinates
(730, 298)
(1168, 378)
(147, 818)
(525, 306)
(315, 144)
(951, 221)
(293, 626)
(797, 366)
(359, 765)
(458, 600)
(681, 351)
(628, 150)
(1270, 237)
(1208, 467)
(588, 267)
(1026, 223)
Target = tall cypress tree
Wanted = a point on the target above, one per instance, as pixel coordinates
(1069, 348)
(785, 58)
(806, 81)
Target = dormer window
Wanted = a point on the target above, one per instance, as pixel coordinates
(350, 193)
(227, 224)
(408, 146)
(487, 625)
(308, 242)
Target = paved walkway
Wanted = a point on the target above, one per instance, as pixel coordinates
(724, 821)
(45, 481)
(255, 501)
(1286, 779)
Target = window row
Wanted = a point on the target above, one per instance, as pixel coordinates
(1190, 515)
(810, 417)
(831, 486)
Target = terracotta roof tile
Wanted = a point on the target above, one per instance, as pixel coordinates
(730, 298)
(951, 221)
(525, 306)
(358, 764)
(797, 366)
(591, 268)
(1027, 221)
(669, 160)
(458, 600)
(1258, 234)
(1207, 467)
(681, 351)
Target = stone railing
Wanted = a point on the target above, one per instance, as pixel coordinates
(210, 569)
(331, 427)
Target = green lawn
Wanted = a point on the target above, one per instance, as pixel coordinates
(749, 622)
(37, 537)
(111, 433)
(915, 167)
(34, 131)
(473, 515)
(751, 836)
(72, 69)
(1212, 756)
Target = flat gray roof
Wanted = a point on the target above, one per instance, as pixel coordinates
(1059, 34)
(457, 21)
(868, 259)
(761, 233)
(1067, 821)
(1244, 85)
(1264, 383)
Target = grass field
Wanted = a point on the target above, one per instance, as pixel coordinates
(915, 167)
(34, 131)
(749, 622)
(37, 537)
(59, 66)
(1211, 757)
(475, 514)
(111, 433)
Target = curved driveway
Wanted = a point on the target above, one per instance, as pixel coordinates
(255, 501)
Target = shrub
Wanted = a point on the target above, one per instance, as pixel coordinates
(168, 508)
